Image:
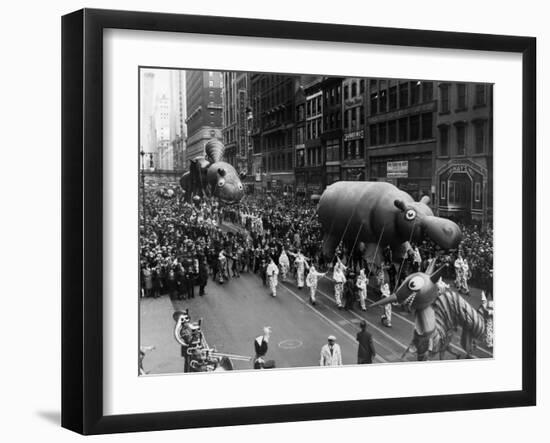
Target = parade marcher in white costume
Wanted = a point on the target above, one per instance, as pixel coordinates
(301, 265)
(272, 273)
(386, 317)
(361, 284)
(284, 263)
(311, 282)
(339, 280)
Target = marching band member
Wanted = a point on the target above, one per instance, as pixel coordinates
(386, 317)
(361, 284)
(311, 282)
(339, 280)
(284, 263)
(331, 354)
(272, 273)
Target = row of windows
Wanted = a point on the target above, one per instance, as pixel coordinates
(460, 96)
(309, 157)
(281, 162)
(314, 107)
(314, 128)
(354, 88)
(406, 129)
(400, 95)
(459, 192)
(332, 96)
(454, 139)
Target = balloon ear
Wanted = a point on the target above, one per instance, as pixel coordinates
(399, 204)
(425, 199)
(437, 274)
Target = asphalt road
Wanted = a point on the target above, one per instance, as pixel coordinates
(235, 313)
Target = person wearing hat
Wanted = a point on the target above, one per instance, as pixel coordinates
(365, 351)
(361, 284)
(331, 355)
(183, 335)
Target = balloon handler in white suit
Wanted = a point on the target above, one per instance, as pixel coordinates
(312, 280)
(361, 284)
(300, 262)
(331, 355)
(284, 263)
(272, 274)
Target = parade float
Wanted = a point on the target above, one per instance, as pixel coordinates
(439, 313)
(211, 176)
(373, 215)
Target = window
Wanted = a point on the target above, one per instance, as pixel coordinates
(477, 192)
(460, 140)
(415, 127)
(333, 150)
(361, 111)
(393, 98)
(354, 89)
(444, 97)
(353, 119)
(392, 131)
(362, 86)
(373, 135)
(443, 191)
(480, 138)
(374, 103)
(480, 95)
(346, 92)
(211, 83)
(461, 96)
(403, 130)
(382, 133)
(427, 126)
(427, 91)
(403, 95)
(383, 100)
(415, 92)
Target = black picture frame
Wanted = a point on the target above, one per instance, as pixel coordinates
(82, 218)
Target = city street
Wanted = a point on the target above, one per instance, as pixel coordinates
(234, 314)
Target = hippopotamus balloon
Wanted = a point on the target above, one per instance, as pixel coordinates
(211, 176)
(373, 215)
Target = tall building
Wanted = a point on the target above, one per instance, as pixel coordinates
(204, 110)
(178, 128)
(331, 134)
(314, 167)
(147, 105)
(401, 135)
(272, 103)
(464, 154)
(164, 153)
(353, 108)
(236, 115)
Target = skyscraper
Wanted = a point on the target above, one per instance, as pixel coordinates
(204, 110)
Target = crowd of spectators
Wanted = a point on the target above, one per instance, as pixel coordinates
(183, 244)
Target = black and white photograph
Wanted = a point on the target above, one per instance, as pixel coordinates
(297, 220)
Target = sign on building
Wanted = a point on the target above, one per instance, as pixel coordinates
(398, 169)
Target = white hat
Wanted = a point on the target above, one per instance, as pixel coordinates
(331, 337)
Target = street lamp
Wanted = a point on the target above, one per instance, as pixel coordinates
(142, 176)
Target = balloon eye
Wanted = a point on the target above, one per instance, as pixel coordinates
(221, 183)
(416, 283)
(240, 186)
(410, 214)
